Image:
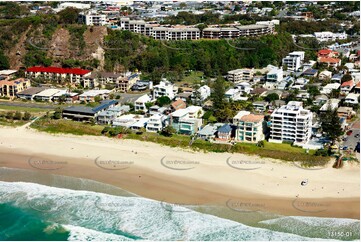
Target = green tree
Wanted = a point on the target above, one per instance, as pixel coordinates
(58, 113)
(18, 115)
(330, 124)
(168, 131)
(27, 116)
(4, 61)
(272, 97)
(163, 101)
(345, 78)
(68, 16)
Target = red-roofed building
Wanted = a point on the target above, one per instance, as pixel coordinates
(74, 75)
(347, 86)
(327, 53)
(357, 88)
(249, 128)
(333, 62)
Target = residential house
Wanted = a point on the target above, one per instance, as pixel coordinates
(157, 122)
(260, 106)
(140, 103)
(10, 88)
(347, 86)
(352, 98)
(178, 104)
(47, 94)
(208, 132)
(108, 116)
(91, 95)
(83, 113)
(331, 103)
(244, 87)
(195, 111)
(327, 53)
(164, 88)
(224, 132)
(291, 122)
(345, 112)
(201, 93)
(325, 75)
(337, 77)
(274, 76)
(250, 128)
(320, 100)
(329, 61)
(183, 124)
(29, 93)
(127, 120)
(329, 87)
(310, 72)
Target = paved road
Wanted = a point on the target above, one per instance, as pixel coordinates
(27, 105)
(351, 141)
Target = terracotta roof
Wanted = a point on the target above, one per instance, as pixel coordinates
(58, 70)
(348, 83)
(358, 85)
(252, 118)
(324, 52)
(179, 104)
(329, 60)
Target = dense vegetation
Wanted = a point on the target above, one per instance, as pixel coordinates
(134, 51)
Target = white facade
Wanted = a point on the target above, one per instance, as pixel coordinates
(329, 36)
(164, 88)
(240, 75)
(274, 76)
(94, 19)
(156, 123)
(352, 98)
(139, 104)
(294, 60)
(204, 92)
(291, 123)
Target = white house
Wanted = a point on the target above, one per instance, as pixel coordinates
(329, 36)
(329, 87)
(274, 76)
(164, 88)
(157, 122)
(352, 98)
(240, 75)
(139, 104)
(204, 92)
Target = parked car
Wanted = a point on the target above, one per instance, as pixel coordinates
(345, 147)
(349, 132)
(344, 139)
(357, 135)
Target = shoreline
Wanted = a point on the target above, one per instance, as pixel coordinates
(202, 178)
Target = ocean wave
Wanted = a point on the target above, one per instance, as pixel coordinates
(127, 218)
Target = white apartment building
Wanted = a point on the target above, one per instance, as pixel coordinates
(139, 104)
(291, 123)
(94, 19)
(329, 36)
(240, 75)
(352, 98)
(294, 60)
(164, 88)
(156, 123)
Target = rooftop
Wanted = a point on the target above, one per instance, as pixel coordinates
(252, 118)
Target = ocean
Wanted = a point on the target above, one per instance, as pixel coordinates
(37, 206)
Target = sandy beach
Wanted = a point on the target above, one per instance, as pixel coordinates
(186, 177)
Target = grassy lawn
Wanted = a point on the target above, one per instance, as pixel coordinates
(192, 78)
(23, 109)
(12, 123)
(66, 126)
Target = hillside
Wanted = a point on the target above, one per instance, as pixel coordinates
(38, 41)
